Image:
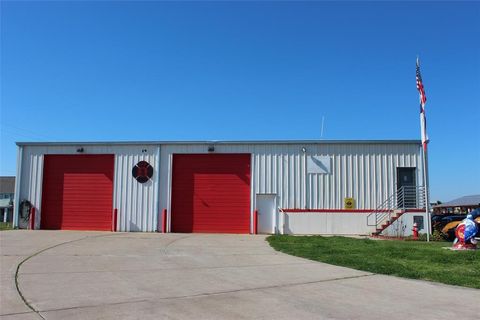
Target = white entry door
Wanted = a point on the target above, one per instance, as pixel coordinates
(266, 208)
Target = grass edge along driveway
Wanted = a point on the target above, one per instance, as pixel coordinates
(408, 259)
(5, 226)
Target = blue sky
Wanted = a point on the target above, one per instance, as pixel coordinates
(93, 71)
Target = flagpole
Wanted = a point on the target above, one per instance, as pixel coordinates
(423, 129)
(427, 190)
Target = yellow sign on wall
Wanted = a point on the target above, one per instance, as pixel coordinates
(349, 203)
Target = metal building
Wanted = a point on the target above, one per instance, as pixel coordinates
(300, 187)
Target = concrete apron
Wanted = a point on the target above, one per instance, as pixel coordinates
(94, 275)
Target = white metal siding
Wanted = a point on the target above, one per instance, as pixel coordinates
(16, 204)
(31, 183)
(366, 172)
(137, 203)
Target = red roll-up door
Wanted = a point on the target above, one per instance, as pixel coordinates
(211, 193)
(77, 192)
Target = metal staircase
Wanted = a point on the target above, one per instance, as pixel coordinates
(406, 198)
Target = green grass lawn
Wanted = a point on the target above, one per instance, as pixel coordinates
(5, 226)
(409, 259)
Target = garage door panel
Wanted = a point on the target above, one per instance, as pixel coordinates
(77, 192)
(211, 193)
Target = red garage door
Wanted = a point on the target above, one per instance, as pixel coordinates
(77, 192)
(211, 193)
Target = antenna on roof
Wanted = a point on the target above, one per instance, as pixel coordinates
(321, 130)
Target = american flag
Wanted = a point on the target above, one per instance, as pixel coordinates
(423, 100)
(421, 90)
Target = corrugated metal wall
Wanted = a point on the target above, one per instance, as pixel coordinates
(364, 171)
(137, 203)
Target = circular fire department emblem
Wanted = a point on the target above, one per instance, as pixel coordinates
(142, 171)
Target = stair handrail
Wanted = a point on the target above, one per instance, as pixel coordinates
(411, 197)
(406, 197)
(382, 211)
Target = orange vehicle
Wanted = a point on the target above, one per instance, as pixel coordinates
(447, 216)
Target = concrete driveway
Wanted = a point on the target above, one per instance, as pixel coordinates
(94, 275)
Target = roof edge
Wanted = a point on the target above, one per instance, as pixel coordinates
(76, 143)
